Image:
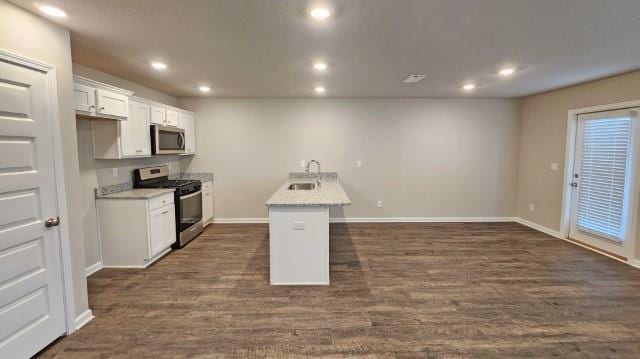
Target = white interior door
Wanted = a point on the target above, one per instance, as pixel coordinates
(31, 294)
(604, 196)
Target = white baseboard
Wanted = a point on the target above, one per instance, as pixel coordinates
(83, 319)
(543, 229)
(94, 268)
(420, 219)
(381, 219)
(241, 220)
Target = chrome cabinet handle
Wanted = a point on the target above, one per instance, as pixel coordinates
(574, 184)
(52, 222)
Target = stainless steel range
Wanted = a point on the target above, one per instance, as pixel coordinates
(188, 199)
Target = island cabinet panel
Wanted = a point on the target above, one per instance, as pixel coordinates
(299, 245)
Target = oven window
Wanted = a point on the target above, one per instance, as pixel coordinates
(190, 210)
(170, 140)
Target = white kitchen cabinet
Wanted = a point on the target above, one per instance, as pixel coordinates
(162, 229)
(134, 132)
(207, 202)
(85, 99)
(133, 232)
(173, 118)
(187, 123)
(111, 104)
(123, 139)
(299, 245)
(158, 115)
(97, 100)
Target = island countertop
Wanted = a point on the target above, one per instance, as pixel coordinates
(330, 192)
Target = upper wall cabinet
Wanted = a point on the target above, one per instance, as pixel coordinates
(124, 139)
(97, 100)
(187, 123)
(158, 115)
(173, 118)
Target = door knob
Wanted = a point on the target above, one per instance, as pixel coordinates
(574, 184)
(52, 222)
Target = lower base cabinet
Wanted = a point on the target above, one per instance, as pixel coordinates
(135, 232)
(207, 202)
(299, 245)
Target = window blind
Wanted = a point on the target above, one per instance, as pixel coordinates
(603, 176)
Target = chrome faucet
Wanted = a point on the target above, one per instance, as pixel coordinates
(317, 173)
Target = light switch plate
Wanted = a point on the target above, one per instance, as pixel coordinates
(298, 225)
(532, 207)
(303, 163)
(554, 166)
(115, 172)
(379, 204)
(359, 163)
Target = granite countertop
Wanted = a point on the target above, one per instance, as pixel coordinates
(330, 193)
(138, 193)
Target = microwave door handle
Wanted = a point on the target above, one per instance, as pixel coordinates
(181, 141)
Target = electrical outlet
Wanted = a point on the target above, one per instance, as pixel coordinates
(358, 163)
(115, 172)
(303, 163)
(554, 166)
(379, 204)
(169, 166)
(532, 207)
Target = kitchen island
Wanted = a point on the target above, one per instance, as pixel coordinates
(299, 228)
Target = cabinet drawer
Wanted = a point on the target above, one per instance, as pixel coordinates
(206, 186)
(160, 201)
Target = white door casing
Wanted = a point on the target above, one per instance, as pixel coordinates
(625, 245)
(32, 291)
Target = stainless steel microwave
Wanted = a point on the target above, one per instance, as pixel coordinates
(166, 140)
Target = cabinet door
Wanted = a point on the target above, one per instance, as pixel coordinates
(112, 104)
(162, 232)
(85, 99)
(207, 205)
(188, 124)
(173, 118)
(134, 131)
(158, 115)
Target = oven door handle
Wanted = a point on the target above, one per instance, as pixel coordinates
(191, 195)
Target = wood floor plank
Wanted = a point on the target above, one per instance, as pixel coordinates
(398, 290)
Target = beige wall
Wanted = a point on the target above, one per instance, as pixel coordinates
(543, 140)
(31, 36)
(421, 157)
(96, 173)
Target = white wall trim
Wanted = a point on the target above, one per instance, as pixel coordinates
(241, 220)
(94, 268)
(420, 219)
(381, 219)
(83, 319)
(634, 262)
(58, 168)
(543, 229)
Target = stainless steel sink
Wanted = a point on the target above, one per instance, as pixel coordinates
(302, 186)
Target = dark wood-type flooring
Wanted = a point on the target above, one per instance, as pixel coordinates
(397, 290)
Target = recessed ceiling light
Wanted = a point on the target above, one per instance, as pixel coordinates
(469, 87)
(507, 71)
(320, 13)
(411, 79)
(51, 10)
(319, 90)
(320, 66)
(158, 65)
(204, 88)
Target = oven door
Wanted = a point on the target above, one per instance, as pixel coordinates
(190, 210)
(167, 140)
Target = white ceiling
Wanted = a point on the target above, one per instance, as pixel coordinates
(264, 48)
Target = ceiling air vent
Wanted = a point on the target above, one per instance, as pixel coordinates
(411, 79)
